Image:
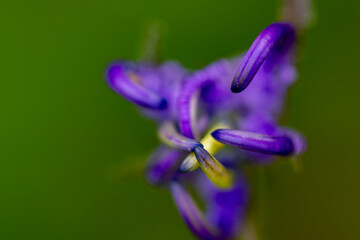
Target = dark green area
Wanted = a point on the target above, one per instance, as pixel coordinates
(65, 138)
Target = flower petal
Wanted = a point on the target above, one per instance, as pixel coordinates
(121, 82)
(191, 214)
(189, 96)
(225, 208)
(273, 40)
(267, 144)
(169, 135)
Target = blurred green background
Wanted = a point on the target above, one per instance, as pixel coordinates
(65, 138)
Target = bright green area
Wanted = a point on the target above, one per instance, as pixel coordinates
(64, 136)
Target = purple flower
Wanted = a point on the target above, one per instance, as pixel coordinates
(198, 113)
(225, 209)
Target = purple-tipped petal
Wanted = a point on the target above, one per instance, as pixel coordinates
(273, 40)
(163, 165)
(191, 214)
(169, 135)
(120, 81)
(189, 96)
(278, 145)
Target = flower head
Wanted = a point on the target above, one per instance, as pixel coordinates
(200, 112)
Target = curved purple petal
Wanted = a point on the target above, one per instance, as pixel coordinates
(120, 81)
(188, 98)
(225, 209)
(267, 144)
(191, 214)
(169, 135)
(273, 41)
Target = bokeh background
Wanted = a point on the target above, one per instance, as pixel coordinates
(71, 150)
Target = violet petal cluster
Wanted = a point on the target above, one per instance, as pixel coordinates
(210, 119)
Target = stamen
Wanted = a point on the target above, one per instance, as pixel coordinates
(266, 144)
(273, 40)
(190, 163)
(169, 135)
(122, 83)
(162, 165)
(215, 171)
(191, 213)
